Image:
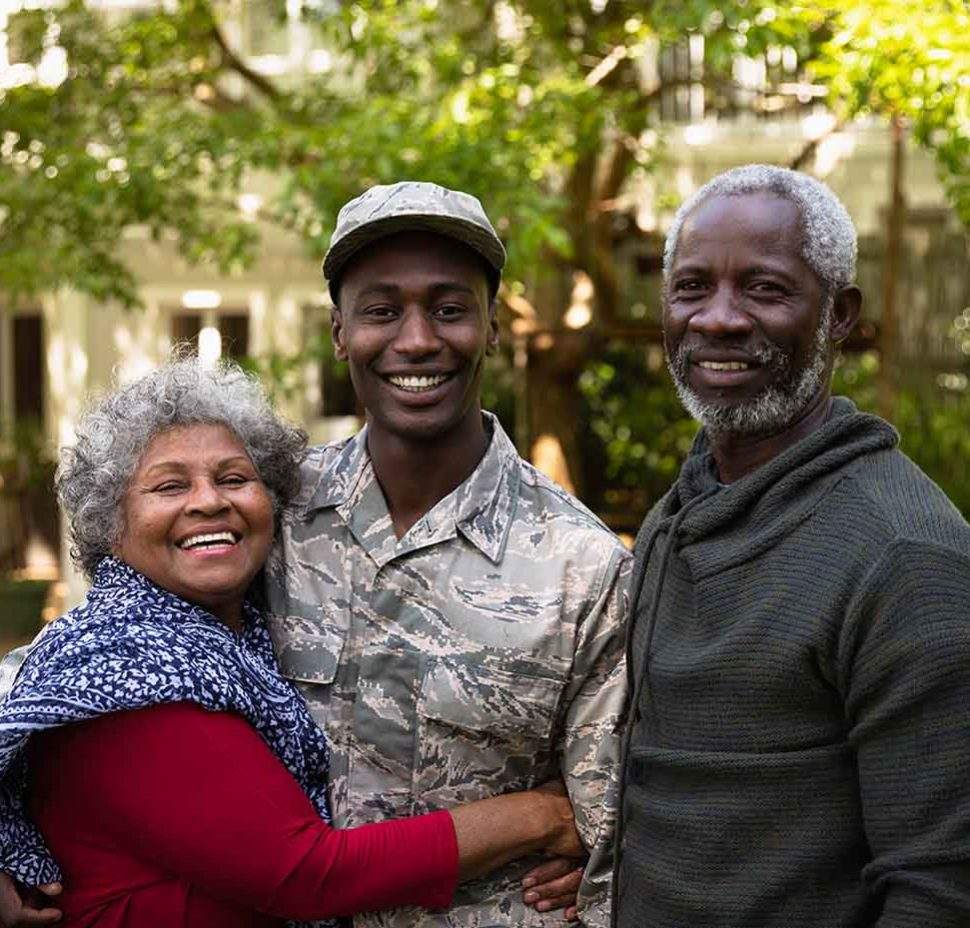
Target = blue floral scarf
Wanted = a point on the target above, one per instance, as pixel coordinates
(133, 645)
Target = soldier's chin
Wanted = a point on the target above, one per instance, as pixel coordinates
(426, 425)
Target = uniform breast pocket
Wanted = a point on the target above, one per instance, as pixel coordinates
(482, 730)
(306, 656)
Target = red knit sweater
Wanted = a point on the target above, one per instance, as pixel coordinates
(181, 817)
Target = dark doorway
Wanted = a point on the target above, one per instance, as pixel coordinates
(28, 368)
(185, 331)
(234, 331)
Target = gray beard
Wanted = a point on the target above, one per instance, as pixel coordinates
(775, 407)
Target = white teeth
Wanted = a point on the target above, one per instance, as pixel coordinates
(724, 365)
(197, 540)
(417, 384)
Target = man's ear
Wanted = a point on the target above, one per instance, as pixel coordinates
(337, 334)
(491, 344)
(845, 312)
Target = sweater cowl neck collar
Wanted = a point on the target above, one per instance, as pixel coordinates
(767, 494)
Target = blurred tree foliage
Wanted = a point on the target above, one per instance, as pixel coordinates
(909, 60)
(155, 119)
(638, 432)
(933, 421)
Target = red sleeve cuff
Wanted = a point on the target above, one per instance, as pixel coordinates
(406, 861)
(441, 847)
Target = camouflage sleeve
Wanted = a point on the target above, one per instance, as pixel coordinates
(595, 700)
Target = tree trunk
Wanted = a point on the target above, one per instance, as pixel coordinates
(556, 354)
(555, 362)
(895, 214)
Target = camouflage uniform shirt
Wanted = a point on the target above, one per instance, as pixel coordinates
(478, 654)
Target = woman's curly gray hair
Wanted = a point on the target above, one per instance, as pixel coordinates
(94, 474)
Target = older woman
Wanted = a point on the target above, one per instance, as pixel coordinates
(150, 744)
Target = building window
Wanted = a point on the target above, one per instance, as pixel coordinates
(232, 325)
(28, 368)
(234, 332)
(185, 331)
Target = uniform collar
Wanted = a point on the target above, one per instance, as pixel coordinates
(342, 475)
(481, 508)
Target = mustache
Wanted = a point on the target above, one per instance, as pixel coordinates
(765, 354)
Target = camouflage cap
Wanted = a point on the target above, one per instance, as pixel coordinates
(411, 205)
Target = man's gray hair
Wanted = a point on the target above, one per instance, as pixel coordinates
(94, 474)
(828, 235)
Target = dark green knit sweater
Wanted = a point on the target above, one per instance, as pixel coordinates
(799, 749)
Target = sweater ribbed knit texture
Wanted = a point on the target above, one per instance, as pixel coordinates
(799, 750)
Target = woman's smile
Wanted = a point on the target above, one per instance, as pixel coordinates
(197, 518)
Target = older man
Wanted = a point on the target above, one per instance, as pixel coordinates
(798, 748)
(453, 618)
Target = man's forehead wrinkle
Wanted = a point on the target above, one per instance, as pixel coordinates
(691, 265)
(738, 210)
(744, 211)
(444, 285)
(769, 261)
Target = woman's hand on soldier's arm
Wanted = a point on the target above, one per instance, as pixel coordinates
(555, 884)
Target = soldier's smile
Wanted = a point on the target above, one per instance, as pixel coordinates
(418, 383)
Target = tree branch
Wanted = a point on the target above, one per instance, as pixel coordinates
(606, 65)
(259, 81)
(602, 253)
(579, 189)
(809, 149)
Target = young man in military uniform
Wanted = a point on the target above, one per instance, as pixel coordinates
(452, 617)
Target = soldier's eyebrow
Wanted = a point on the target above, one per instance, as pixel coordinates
(435, 290)
(378, 290)
(451, 286)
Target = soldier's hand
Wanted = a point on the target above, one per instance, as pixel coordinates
(21, 907)
(553, 885)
